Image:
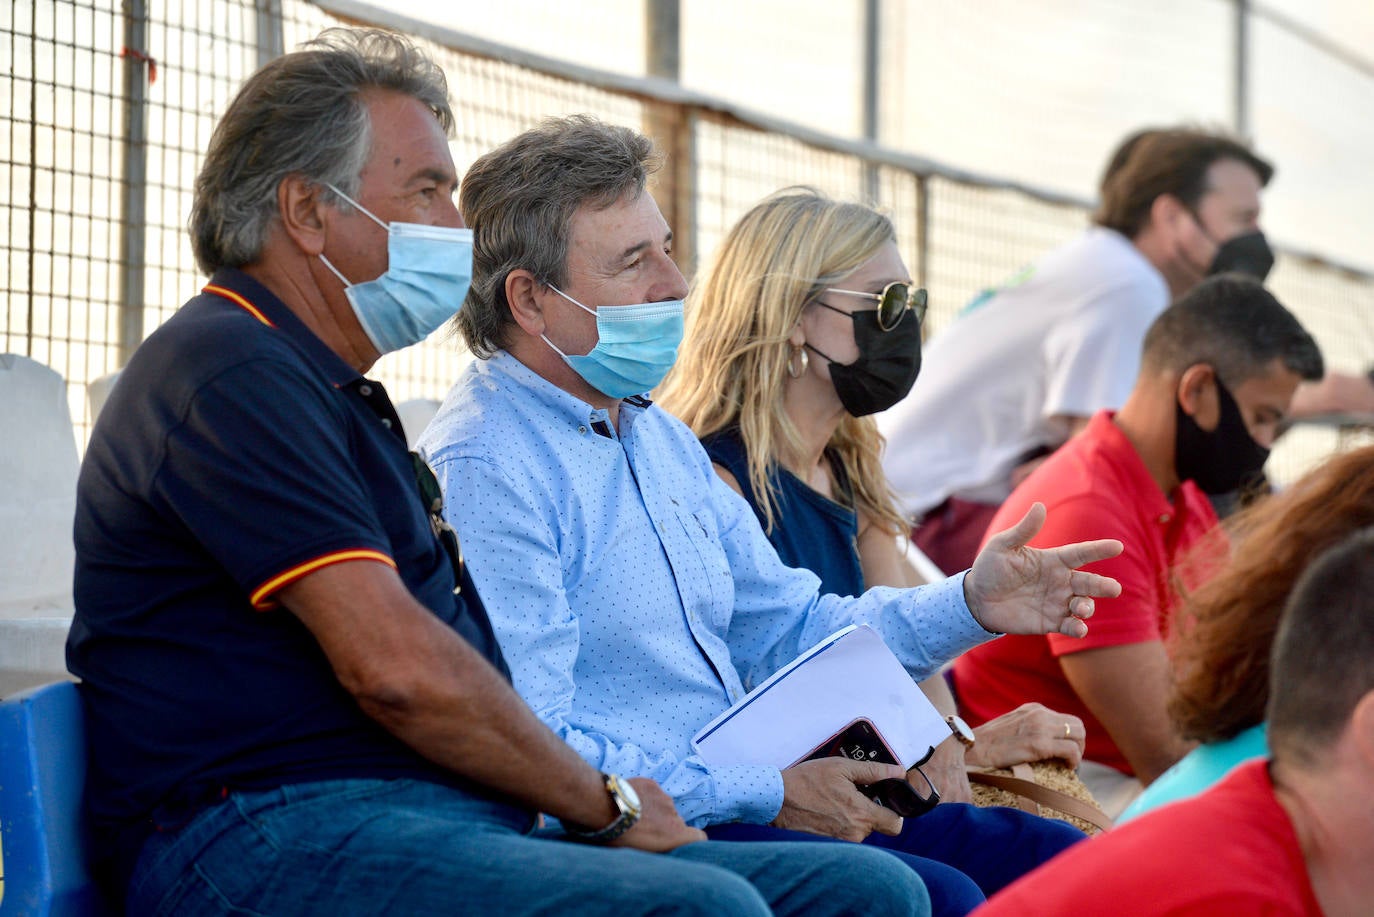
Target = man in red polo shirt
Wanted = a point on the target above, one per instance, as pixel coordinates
(1218, 371)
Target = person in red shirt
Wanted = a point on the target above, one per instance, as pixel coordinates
(1286, 836)
(1218, 371)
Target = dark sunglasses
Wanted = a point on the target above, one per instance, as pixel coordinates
(432, 496)
(893, 302)
(903, 798)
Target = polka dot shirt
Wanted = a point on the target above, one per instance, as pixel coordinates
(634, 594)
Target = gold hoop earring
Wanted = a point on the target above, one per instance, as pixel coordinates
(805, 361)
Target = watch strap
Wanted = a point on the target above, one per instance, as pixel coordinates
(962, 731)
(629, 816)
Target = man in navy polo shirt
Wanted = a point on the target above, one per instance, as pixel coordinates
(295, 702)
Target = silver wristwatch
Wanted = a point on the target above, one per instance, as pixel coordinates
(627, 804)
(961, 730)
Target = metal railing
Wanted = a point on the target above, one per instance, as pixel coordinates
(107, 106)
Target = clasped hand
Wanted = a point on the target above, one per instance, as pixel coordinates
(660, 827)
(1031, 732)
(822, 797)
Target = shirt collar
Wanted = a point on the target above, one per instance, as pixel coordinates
(234, 285)
(563, 404)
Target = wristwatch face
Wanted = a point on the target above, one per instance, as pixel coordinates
(961, 730)
(627, 805)
(626, 794)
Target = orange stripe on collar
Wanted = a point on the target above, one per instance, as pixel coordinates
(240, 301)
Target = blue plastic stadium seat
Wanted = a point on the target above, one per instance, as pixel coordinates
(42, 830)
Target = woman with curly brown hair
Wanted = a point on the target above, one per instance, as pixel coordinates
(1224, 631)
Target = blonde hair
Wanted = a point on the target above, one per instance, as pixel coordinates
(731, 367)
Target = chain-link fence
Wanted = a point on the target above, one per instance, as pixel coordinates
(106, 107)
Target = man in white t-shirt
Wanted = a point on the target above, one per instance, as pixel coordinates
(1023, 366)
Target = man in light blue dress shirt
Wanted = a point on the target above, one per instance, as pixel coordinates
(634, 593)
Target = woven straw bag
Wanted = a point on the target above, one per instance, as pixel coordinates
(1047, 787)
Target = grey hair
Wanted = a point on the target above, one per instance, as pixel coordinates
(302, 114)
(519, 200)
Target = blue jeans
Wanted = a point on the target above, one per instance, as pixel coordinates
(352, 847)
(961, 852)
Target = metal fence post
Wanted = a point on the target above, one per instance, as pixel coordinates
(1242, 55)
(672, 128)
(872, 13)
(138, 69)
(31, 216)
(271, 44)
(923, 231)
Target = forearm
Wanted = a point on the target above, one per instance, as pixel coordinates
(925, 627)
(1336, 393)
(1150, 763)
(426, 685)
(947, 765)
(937, 691)
(469, 720)
(779, 612)
(1125, 688)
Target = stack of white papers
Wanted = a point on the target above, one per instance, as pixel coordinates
(848, 675)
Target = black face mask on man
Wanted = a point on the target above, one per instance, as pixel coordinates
(886, 369)
(1222, 460)
(1247, 254)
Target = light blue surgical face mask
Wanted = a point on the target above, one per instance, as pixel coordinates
(636, 346)
(426, 279)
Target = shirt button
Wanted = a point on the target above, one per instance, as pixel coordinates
(365, 390)
(386, 423)
(582, 430)
(1163, 517)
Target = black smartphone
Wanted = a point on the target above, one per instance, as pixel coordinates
(861, 741)
(858, 741)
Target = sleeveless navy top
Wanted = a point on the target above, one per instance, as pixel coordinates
(809, 530)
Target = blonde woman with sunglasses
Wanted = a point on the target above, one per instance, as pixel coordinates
(804, 324)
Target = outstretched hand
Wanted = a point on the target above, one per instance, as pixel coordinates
(1017, 589)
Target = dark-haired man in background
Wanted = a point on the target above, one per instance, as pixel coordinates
(1025, 365)
(1218, 371)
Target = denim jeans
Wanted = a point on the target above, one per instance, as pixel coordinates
(961, 852)
(353, 847)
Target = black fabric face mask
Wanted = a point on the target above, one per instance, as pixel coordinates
(1220, 461)
(1247, 254)
(886, 369)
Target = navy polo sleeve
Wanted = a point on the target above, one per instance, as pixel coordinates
(261, 471)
